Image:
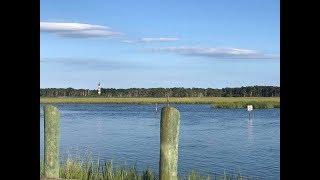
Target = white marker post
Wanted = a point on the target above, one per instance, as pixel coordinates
(250, 108)
(99, 89)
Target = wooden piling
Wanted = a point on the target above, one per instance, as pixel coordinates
(51, 141)
(169, 141)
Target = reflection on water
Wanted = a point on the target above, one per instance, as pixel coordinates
(250, 130)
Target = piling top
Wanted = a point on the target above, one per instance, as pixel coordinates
(169, 112)
(50, 107)
(170, 108)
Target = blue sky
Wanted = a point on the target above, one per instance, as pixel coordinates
(146, 43)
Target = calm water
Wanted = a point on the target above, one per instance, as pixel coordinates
(211, 140)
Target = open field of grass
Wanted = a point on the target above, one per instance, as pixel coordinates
(75, 168)
(193, 100)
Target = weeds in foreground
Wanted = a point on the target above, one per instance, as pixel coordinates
(76, 168)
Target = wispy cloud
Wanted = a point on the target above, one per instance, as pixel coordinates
(128, 41)
(89, 63)
(150, 40)
(158, 39)
(78, 30)
(232, 53)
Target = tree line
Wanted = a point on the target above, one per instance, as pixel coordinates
(249, 91)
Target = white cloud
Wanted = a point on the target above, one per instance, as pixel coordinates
(77, 30)
(54, 26)
(158, 39)
(231, 53)
(89, 33)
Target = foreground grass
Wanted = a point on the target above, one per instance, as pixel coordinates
(88, 170)
(172, 100)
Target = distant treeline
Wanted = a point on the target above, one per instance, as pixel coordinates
(249, 91)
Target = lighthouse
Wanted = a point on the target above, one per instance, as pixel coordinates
(99, 89)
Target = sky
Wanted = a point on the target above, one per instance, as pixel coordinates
(148, 43)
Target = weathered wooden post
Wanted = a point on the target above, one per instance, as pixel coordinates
(51, 141)
(169, 140)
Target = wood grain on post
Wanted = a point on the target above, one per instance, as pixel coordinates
(169, 140)
(51, 141)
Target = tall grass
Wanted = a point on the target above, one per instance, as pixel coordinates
(173, 100)
(76, 168)
(243, 104)
(193, 175)
(41, 169)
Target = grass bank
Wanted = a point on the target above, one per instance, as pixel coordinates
(89, 170)
(243, 104)
(172, 100)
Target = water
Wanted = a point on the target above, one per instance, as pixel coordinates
(211, 140)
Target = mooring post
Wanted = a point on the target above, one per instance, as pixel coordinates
(169, 140)
(51, 141)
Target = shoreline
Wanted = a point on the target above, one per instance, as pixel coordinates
(272, 101)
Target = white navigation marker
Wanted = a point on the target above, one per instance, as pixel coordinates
(99, 89)
(249, 108)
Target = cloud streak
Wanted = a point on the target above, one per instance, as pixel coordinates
(89, 63)
(228, 53)
(151, 40)
(78, 30)
(158, 39)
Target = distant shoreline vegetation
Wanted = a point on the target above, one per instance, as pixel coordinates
(258, 96)
(216, 102)
(249, 91)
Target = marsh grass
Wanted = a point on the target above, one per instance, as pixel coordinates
(41, 168)
(243, 104)
(193, 175)
(172, 100)
(76, 168)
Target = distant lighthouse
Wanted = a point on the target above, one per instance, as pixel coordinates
(99, 89)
